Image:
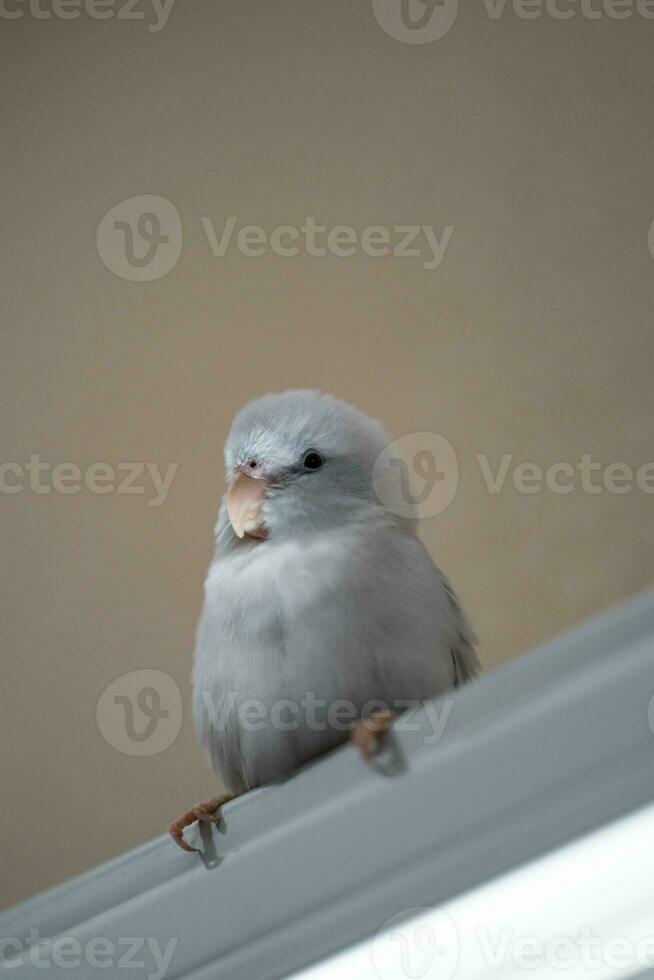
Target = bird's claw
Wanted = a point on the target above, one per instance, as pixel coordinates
(204, 815)
(208, 812)
(368, 733)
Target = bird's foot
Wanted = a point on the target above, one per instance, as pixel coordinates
(368, 734)
(208, 812)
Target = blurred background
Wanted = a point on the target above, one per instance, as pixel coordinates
(531, 338)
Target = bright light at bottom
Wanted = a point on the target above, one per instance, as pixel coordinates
(584, 911)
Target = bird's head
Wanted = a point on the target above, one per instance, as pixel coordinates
(299, 462)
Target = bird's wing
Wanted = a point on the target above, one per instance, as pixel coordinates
(464, 649)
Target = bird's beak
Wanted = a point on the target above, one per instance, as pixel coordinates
(245, 496)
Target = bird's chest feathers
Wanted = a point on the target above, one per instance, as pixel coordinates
(262, 607)
(271, 580)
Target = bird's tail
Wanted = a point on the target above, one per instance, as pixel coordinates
(464, 649)
(466, 662)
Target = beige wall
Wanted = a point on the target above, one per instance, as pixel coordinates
(534, 337)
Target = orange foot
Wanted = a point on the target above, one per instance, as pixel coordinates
(368, 734)
(206, 812)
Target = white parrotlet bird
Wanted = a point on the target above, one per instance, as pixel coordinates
(317, 593)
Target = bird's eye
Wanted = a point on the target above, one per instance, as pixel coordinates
(312, 460)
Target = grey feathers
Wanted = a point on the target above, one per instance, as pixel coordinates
(340, 606)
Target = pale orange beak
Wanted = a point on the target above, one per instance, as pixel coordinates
(245, 496)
